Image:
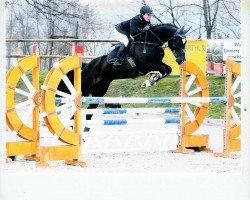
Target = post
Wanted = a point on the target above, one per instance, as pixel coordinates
(19, 52)
(51, 44)
(35, 82)
(77, 26)
(77, 85)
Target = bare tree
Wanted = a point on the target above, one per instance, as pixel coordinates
(214, 18)
(210, 11)
(49, 19)
(233, 9)
(228, 22)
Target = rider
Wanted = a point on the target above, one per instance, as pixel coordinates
(131, 28)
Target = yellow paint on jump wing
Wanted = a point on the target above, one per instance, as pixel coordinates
(65, 152)
(52, 81)
(200, 81)
(231, 136)
(236, 69)
(28, 148)
(196, 51)
(20, 148)
(12, 79)
(186, 139)
(70, 153)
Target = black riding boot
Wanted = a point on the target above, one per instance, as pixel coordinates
(117, 64)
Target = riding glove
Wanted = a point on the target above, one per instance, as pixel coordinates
(146, 28)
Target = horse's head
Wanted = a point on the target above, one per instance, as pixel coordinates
(170, 33)
(177, 44)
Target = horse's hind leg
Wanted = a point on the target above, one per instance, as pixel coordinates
(88, 117)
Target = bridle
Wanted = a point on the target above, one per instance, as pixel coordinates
(162, 43)
(184, 43)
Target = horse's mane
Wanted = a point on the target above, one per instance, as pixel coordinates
(165, 24)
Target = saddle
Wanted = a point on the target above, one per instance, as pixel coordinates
(111, 58)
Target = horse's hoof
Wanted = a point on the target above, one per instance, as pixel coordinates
(134, 74)
(112, 105)
(13, 158)
(145, 84)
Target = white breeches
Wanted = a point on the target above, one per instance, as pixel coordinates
(122, 38)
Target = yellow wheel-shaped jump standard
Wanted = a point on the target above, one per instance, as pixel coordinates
(58, 118)
(196, 86)
(62, 125)
(192, 114)
(231, 134)
(20, 123)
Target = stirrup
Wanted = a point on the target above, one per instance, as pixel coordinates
(118, 62)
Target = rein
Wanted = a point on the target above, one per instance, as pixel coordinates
(154, 44)
(149, 43)
(166, 46)
(157, 37)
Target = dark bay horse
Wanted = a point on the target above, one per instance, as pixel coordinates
(147, 53)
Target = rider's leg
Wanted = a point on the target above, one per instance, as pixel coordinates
(119, 55)
(124, 43)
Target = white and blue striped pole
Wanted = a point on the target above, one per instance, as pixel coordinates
(102, 100)
(130, 110)
(106, 122)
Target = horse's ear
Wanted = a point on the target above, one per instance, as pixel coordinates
(179, 31)
(185, 31)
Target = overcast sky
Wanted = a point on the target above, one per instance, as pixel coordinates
(114, 11)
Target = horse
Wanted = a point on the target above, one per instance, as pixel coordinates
(145, 54)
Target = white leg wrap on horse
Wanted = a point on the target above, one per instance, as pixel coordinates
(156, 76)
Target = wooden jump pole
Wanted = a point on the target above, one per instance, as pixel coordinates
(186, 139)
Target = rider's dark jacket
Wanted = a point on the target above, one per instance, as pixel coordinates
(133, 26)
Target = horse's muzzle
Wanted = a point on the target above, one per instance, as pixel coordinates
(180, 59)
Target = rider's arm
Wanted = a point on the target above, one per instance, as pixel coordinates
(134, 30)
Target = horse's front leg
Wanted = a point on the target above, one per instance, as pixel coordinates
(160, 72)
(166, 69)
(99, 90)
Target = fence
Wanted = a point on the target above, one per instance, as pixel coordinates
(93, 48)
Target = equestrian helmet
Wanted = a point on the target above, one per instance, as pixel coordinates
(146, 9)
